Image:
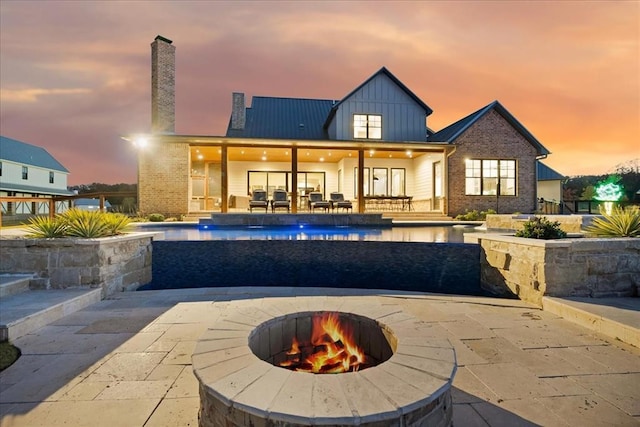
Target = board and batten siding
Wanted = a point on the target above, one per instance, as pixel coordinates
(402, 118)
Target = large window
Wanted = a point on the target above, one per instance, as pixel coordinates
(488, 177)
(367, 126)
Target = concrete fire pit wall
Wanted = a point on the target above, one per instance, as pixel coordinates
(586, 267)
(113, 263)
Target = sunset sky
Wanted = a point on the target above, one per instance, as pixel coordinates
(75, 76)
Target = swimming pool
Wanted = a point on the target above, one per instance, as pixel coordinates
(429, 234)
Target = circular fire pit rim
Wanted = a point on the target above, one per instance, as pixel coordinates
(228, 370)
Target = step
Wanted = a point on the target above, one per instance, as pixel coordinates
(25, 312)
(619, 318)
(12, 284)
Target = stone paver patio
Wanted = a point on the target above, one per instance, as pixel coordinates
(126, 361)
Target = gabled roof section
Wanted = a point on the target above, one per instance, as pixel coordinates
(453, 131)
(284, 118)
(545, 173)
(394, 79)
(20, 152)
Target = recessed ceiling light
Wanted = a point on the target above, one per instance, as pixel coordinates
(264, 158)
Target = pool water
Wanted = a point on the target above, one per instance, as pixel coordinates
(432, 234)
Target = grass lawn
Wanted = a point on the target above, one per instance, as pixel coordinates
(8, 355)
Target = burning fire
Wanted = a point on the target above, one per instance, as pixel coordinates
(331, 349)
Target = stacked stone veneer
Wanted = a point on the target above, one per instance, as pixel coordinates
(586, 267)
(112, 263)
(568, 223)
(492, 137)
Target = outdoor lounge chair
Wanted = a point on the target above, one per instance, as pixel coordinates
(337, 201)
(280, 200)
(259, 200)
(316, 202)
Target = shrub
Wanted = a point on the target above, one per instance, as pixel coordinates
(622, 222)
(78, 223)
(541, 228)
(156, 217)
(85, 224)
(474, 215)
(45, 227)
(116, 223)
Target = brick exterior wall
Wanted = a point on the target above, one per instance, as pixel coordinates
(492, 137)
(163, 73)
(163, 167)
(163, 178)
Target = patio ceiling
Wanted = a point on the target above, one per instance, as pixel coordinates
(279, 154)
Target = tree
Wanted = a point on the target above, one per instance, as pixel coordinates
(123, 203)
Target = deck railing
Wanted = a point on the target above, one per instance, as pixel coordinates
(21, 208)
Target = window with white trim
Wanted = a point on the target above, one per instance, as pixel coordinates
(51, 177)
(484, 177)
(25, 172)
(367, 126)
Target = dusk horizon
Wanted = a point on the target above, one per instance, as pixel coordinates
(76, 77)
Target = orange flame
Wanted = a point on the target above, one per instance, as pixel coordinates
(331, 348)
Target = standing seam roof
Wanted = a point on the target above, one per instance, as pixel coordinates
(284, 118)
(21, 152)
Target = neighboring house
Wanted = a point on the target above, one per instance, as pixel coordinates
(29, 171)
(373, 144)
(549, 184)
(90, 204)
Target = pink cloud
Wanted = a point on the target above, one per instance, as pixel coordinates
(567, 70)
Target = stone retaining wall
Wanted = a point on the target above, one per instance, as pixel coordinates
(588, 267)
(568, 223)
(112, 263)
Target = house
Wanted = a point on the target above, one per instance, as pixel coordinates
(373, 145)
(549, 184)
(29, 171)
(91, 205)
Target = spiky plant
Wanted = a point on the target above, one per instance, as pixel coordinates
(45, 227)
(85, 224)
(116, 223)
(621, 222)
(541, 228)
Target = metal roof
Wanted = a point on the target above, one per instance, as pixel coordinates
(545, 173)
(284, 118)
(453, 131)
(32, 189)
(27, 154)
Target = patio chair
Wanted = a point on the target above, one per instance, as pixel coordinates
(258, 200)
(337, 201)
(317, 202)
(280, 199)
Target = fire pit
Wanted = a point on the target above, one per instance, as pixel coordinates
(321, 361)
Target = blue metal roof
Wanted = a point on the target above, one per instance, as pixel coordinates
(545, 173)
(284, 118)
(453, 131)
(20, 152)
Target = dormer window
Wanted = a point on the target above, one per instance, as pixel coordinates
(367, 126)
